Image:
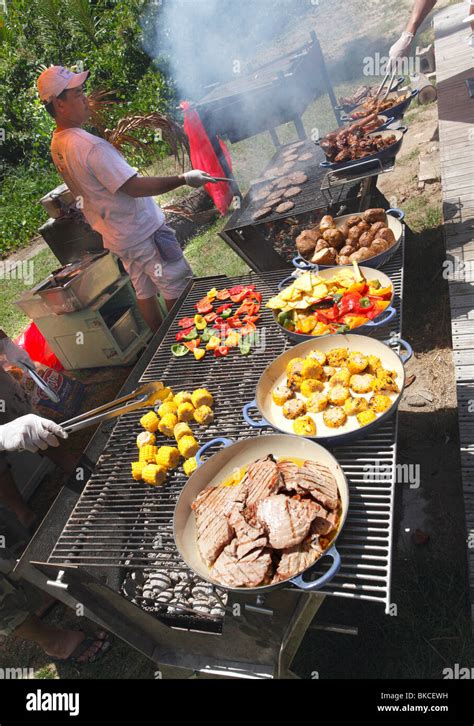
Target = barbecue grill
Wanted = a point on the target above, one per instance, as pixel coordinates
(109, 532)
(255, 241)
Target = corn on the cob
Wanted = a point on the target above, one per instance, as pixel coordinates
(167, 424)
(188, 446)
(180, 430)
(202, 397)
(167, 456)
(148, 453)
(137, 469)
(145, 438)
(185, 412)
(150, 422)
(204, 415)
(167, 407)
(154, 474)
(190, 465)
(182, 397)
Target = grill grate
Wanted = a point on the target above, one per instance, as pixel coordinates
(311, 198)
(115, 521)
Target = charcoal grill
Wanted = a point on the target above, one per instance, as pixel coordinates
(254, 241)
(99, 533)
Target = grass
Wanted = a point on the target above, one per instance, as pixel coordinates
(208, 254)
(421, 216)
(13, 319)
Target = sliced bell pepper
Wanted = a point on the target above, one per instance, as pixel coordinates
(221, 351)
(378, 308)
(213, 343)
(251, 318)
(239, 288)
(204, 306)
(234, 322)
(232, 340)
(179, 350)
(227, 313)
(221, 309)
(192, 344)
(186, 322)
(349, 302)
(307, 325)
(200, 322)
(354, 321)
(192, 335)
(248, 329)
(210, 317)
(206, 335)
(199, 353)
(212, 294)
(223, 294)
(182, 334)
(245, 348)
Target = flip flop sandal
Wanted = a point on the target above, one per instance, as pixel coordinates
(83, 646)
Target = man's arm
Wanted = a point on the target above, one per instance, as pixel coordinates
(151, 186)
(420, 12)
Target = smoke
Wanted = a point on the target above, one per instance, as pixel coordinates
(210, 41)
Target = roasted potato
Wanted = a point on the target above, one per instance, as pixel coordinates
(347, 250)
(374, 215)
(354, 234)
(334, 237)
(305, 245)
(321, 245)
(325, 257)
(344, 260)
(379, 245)
(363, 254)
(344, 229)
(327, 222)
(364, 226)
(355, 219)
(375, 228)
(366, 239)
(388, 235)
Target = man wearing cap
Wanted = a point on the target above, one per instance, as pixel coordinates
(116, 201)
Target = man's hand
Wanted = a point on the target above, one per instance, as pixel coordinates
(12, 353)
(400, 49)
(30, 433)
(197, 178)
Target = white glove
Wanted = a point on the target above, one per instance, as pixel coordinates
(30, 433)
(400, 49)
(197, 178)
(12, 353)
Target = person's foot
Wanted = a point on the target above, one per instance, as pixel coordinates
(69, 641)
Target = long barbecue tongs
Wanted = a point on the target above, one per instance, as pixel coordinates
(145, 395)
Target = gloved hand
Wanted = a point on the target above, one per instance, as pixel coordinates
(30, 433)
(12, 353)
(197, 178)
(400, 49)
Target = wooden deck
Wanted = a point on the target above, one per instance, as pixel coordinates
(454, 64)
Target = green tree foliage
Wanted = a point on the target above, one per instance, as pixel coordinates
(105, 37)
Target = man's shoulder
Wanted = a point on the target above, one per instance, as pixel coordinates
(76, 137)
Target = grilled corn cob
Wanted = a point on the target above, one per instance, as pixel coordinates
(150, 422)
(154, 474)
(167, 456)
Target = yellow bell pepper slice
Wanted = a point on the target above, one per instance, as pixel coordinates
(232, 339)
(199, 353)
(308, 324)
(354, 321)
(200, 322)
(212, 294)
(214, 343)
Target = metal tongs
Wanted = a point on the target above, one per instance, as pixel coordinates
(389, 87)
(146, 395)
(39, 382)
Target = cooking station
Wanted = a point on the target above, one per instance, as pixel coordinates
(268, 244)
(108, 543)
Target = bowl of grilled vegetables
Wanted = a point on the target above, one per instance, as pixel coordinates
(334, 390)
(370, 238)
(334, 300)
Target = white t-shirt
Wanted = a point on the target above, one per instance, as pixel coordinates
(94, 171)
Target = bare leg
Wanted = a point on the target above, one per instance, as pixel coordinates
(150, 311)
(12, 499)
(54, 641)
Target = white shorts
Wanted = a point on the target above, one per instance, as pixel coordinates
(157, 265)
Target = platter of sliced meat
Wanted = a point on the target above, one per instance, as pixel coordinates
(261, 513)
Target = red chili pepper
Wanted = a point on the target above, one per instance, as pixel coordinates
(183, 333)
(223, 294)
(222, 351)
(210, 317)
(257, 296)
(192, 344)
(186, 322)
(234, 322)
(223, 307)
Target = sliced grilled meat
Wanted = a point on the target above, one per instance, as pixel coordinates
(247, 538)
(251, 572)
(286, 520)
(324, 523)
(211, 508)
(320, 483)
(262, 479)
(297, 559)
(289, 472)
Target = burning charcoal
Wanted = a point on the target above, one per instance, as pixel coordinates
(160, 581)
(201, 606)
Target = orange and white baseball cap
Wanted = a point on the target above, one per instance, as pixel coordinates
(56, 79)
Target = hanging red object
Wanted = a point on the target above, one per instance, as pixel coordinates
(33, 341)
(205, 158)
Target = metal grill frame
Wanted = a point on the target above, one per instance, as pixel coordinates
(366, 543)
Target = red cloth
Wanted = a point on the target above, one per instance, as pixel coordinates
(204, 157)
(33, 341)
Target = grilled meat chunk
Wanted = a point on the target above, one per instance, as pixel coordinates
(262, 479)
(289, 473)
(286, 520)
(297, 559)
(232, 572)
(320, 483)
(211, 509)
(248, 538)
